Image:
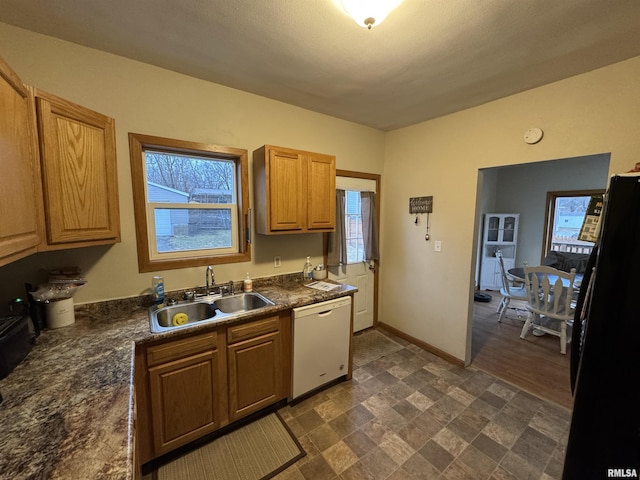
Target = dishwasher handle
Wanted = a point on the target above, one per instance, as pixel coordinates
(322, 307)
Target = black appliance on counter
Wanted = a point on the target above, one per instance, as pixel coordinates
(604, 437)
(15, 342)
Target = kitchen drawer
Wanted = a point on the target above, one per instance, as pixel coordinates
(181, 348)
(244, 331)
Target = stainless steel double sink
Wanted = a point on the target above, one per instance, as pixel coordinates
(212, 308)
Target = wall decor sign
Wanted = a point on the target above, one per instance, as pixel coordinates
(421, 204)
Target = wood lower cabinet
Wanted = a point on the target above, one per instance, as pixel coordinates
(294, 191)
(186, 390)
(20, 184)
(184, 400)
(256, 364)
(190, 387)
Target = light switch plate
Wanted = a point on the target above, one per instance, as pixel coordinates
(437, 246)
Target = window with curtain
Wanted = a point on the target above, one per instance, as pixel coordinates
(356, 237)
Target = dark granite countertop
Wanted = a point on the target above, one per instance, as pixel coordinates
(67, 409)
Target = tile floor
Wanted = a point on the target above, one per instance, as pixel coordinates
(411, 415)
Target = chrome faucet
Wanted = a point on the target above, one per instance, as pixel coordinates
(209, 277)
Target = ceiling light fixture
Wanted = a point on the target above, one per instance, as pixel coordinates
(368, 13)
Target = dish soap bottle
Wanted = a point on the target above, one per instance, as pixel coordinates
(248, 283)
(157, 290)
(307, 271)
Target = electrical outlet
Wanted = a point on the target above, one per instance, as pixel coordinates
(437, 246)
(276, 261)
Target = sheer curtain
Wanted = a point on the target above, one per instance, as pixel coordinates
(369, 226)
(338, 240)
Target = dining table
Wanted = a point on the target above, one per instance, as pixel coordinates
(518, 276)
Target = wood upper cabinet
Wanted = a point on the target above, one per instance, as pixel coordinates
(286, 181)
(20, 184)
(185, 390)
(258, 365)
(79, 174)
(294, 191)
(321, 196)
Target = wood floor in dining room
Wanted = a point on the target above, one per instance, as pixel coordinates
(534, 364)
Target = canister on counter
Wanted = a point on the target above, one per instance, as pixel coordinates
(60, 313)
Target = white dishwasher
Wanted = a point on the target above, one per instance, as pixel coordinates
(321, 336)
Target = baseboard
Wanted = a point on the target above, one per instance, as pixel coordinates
(429, 348)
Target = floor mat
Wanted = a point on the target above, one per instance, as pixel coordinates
(371, 345)
(256, 451)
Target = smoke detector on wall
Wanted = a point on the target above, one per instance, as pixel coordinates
(533, 135)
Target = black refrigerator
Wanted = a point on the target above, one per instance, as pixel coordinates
(604, 437)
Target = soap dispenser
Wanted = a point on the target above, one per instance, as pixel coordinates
(248, 283)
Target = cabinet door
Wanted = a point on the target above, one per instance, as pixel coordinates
(493, 226)
(321, 199)
(286, 180)
(255, 374)
(80, 186)
(490, 276)
(294, 191)
(184, 404)
(19, 191)
(510, 223)
(501, 228)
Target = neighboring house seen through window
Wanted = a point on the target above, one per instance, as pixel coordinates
(189, 203)
(565, 214)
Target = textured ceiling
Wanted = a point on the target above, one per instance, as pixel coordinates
(427, 59)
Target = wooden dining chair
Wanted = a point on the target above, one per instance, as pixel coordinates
(550, 302)
(508, 291)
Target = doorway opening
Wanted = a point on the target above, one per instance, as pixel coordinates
(534, 364)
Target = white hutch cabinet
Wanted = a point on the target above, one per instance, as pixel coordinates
(500, 233)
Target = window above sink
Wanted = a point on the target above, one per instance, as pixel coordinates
(191, 203)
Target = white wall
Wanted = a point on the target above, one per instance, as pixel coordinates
(145, 99)
(428, 295)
